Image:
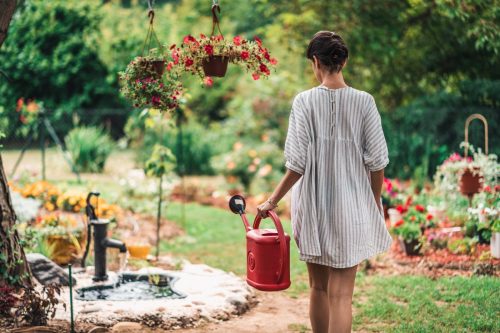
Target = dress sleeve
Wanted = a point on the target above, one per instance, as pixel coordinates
(375, 153)
(296, 139)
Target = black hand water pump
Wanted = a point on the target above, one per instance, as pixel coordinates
(101, 241)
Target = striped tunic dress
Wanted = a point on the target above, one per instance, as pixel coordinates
(334, 140)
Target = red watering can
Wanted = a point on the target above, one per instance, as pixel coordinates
(268, 251)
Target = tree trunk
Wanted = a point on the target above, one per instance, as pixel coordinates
(14, 269)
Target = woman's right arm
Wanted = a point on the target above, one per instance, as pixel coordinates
(377, 180)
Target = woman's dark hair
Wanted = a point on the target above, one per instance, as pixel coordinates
(330, 49)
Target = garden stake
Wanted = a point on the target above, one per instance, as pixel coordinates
(71, 298)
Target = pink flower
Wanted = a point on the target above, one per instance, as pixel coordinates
(202, 36)
(266, 55)
(188, 62)
(398, 223)
(258, 40)
(255, 76)
(237, 40)
(273, 61)
(245, 55)
(208, 81)
(170, 65)
(209, 49)
(175, 56)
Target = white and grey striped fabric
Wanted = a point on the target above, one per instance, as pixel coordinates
(334, 140)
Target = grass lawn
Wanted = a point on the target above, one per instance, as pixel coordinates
(382, 303)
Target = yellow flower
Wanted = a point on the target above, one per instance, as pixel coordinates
(77, 208)
(49, 206)
(32, 107)
(72, 201)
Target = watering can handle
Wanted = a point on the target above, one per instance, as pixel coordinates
(281, 236)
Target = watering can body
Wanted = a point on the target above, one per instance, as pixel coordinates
(268, 251)
(268, 268)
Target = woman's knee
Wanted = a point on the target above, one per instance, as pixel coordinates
(318, 277)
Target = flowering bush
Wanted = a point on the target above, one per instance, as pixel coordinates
(29, 111)
(251, 54)
(145, 84)
(58, 224)
(43, 191)
(247, 161)
(448, 174)
(408, 231)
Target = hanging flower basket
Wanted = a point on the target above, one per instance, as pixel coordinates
(146, 83)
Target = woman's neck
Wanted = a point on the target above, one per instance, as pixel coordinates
(333, 81)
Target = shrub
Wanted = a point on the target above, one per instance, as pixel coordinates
(89, 148)
(36, 307)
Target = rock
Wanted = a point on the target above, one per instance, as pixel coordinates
(46, 271)
(35, 329)
(90, 309)
(127, 327)
(99, 330)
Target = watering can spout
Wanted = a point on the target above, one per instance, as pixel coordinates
(237, 205)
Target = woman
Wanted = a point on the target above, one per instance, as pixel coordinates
(335, 154)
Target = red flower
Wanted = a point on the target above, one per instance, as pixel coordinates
(208, 81)
(266, 55)
(237, 40)
(409, 200)
(413, 218)
(401, 209)
(188, 62)
(202, 36)
(245, 55)
(487, 188)
(255, 76)
(420, 208)
(398, 223)
(19, 105)
(23, 119)
(429, 217)
(263, 68)
(170, 65)
(273, 61)
(155, 100)
(209, 49)
(257, 39)
(189, 39)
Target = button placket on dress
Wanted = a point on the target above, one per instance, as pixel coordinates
(333, 101)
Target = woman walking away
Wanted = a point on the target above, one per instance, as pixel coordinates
(335, 154)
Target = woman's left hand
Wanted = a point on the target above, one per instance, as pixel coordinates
(263, 208)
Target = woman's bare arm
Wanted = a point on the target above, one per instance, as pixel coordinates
(377, 180)
(286, 183)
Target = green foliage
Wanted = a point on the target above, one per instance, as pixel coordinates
(464, 245)
(408, 231)
(161, 162)
(192, 144)
(51, 55)
(89, 148)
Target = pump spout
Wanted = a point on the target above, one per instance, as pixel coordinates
(116, 244)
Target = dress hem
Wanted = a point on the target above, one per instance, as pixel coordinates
(357, 261)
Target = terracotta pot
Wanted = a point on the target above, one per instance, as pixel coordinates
(471, 183)
(215, 66)
(411, 248)
(157, 66)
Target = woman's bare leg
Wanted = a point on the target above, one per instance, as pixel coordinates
(340, 289)
(318, 304)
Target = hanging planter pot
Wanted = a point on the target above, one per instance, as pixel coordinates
(471, 181)
(215, 66)
(156, 66)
